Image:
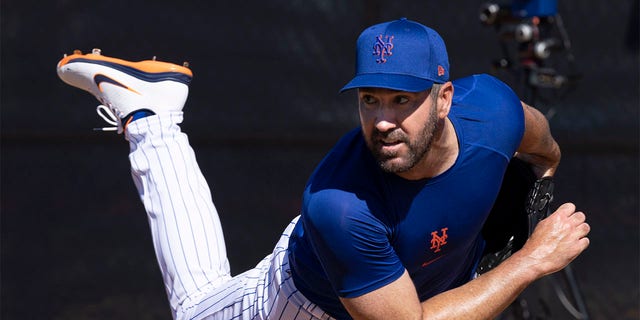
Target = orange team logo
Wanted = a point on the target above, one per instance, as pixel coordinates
(437, 241)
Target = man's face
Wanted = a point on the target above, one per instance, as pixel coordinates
(398, 126)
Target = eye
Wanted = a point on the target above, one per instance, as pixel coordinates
(401, 99)
(368, 99)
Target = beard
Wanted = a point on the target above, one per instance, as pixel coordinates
(417, 149)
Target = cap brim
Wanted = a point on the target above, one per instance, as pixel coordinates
(398, 82)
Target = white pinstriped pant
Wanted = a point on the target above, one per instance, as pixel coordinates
(188, 240)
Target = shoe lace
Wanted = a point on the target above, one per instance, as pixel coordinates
(109, 117)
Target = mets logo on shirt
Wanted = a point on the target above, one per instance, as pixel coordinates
(438, 240)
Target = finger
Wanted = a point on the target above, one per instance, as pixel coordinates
(583, 243)
(585, 228)
(579, 217)
(566, 209)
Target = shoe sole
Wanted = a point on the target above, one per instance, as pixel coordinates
(128, 86)
(147, 70)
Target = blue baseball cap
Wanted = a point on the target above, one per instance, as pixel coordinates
(400, 55)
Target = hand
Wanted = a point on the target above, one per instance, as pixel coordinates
(557, 240)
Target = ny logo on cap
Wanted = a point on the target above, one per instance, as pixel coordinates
(382, 48)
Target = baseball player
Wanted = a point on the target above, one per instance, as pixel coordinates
(390, 226)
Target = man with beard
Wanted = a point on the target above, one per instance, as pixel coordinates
(391, 221)
(392, 218)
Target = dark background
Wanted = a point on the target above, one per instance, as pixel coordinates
(262, 111)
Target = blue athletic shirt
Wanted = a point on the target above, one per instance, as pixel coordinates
(360, 227)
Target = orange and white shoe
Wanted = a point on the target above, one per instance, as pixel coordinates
(124, 87)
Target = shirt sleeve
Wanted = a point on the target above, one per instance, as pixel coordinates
(351, 243)
(493, 113)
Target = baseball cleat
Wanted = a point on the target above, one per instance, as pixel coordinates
(124, 86)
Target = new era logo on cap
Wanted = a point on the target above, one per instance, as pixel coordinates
(407, 56)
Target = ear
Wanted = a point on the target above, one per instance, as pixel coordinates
(445, 96)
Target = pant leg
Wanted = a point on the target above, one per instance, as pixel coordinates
(185, 226)
(188, 239)
(266, 292)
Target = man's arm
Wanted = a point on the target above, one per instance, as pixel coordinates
(557, 240)
(538, 146)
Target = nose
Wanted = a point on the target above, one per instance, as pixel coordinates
(385, 119)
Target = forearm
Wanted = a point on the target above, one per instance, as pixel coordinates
(556, 241)
(538, 147)
(486, 296)
(543, 163)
